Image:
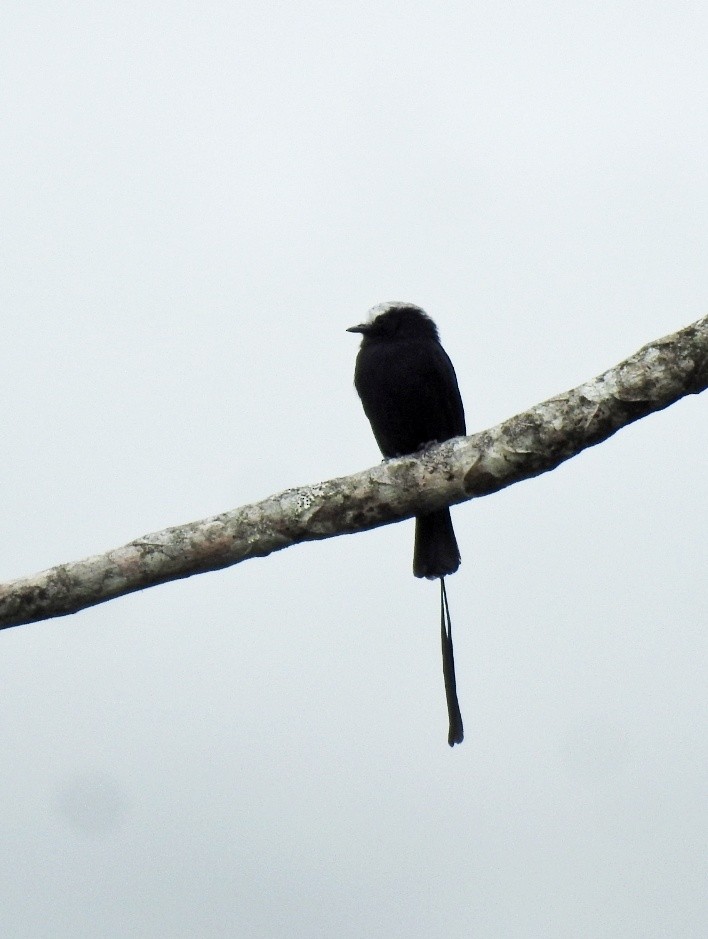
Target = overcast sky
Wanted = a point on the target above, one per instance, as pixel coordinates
(197, 200)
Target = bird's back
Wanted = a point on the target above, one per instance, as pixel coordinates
(409, 392)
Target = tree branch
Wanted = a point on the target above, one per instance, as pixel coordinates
(524, 446)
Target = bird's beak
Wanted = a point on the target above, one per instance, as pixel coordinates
(362, 328)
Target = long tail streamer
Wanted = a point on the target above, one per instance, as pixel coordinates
(456, 733)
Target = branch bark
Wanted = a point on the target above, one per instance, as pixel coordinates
(524, 446)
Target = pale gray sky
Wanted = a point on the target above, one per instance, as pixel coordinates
(197, 200)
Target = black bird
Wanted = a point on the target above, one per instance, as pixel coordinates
(409, 391)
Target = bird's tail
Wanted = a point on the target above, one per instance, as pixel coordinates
(456, 732)
(436, 553)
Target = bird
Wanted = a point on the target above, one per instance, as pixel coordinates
(409, 392)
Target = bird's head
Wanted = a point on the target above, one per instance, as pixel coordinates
(396, 319)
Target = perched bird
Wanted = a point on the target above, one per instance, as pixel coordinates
(409, 391)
